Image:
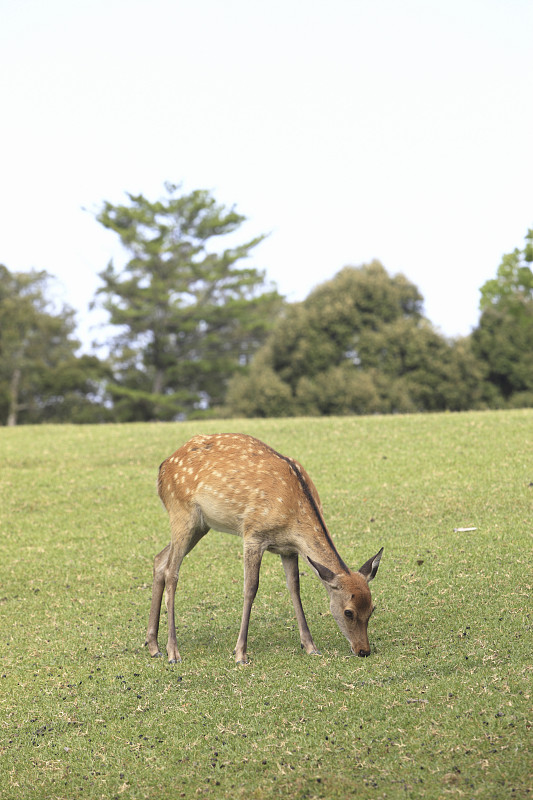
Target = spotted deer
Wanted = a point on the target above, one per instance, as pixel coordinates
(237, 484)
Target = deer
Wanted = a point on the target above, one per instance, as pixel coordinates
(235, 483)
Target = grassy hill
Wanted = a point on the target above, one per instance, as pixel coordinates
(439, 709)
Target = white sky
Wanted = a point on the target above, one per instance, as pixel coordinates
(349, 129)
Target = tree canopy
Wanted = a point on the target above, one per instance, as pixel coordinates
(358, 344)
(503, 340)
(512, 288)
(190, 314)
(41, 377)
(199, 332)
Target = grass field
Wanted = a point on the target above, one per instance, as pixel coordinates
(441, 709)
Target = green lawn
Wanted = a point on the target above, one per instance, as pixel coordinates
(441, 709)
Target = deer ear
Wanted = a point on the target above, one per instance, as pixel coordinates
(370, 567)
(323, 573)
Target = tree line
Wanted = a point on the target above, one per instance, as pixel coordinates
(199, 333)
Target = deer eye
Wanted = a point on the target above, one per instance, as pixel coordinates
(348, 613)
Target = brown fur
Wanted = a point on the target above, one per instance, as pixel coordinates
(237, 484)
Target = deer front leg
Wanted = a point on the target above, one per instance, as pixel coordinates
(252, 562)
(158, 585)
(290, 565)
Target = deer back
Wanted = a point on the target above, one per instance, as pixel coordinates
(242, 486)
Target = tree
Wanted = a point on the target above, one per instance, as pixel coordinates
(512, 288)
(41, 377)
(326, 329)
(359, 344)
(190, 316)
(503, 340)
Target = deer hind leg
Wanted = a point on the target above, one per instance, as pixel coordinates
(290, 565)
(253, 554)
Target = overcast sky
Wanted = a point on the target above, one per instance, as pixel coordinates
(348, 130)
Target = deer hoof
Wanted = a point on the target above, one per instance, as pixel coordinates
(313, 652)
(157, 654)
(173, 660)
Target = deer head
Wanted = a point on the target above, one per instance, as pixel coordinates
(350, 601)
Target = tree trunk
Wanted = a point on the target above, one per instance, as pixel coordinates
(158, 383)
(14, 397)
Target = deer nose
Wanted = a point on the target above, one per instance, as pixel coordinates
(363, 653)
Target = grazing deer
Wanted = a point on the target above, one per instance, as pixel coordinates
(234, 483)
